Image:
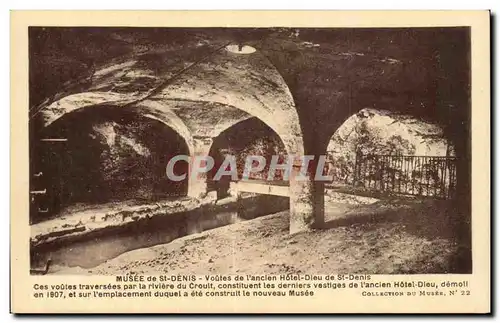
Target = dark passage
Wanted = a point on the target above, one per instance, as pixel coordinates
(251, 137)
(109, 155)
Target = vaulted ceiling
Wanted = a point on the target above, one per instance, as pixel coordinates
(330, 73)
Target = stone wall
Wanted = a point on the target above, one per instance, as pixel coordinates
(107, 158)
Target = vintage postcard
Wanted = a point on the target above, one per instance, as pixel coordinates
(250, 162)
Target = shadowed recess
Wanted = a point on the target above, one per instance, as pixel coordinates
(250, 137)
(107, 156)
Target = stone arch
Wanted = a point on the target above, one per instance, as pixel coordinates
(292, 142)
(162, 113)
(377, 131)
(116, 154)
(251, 84)
(147, 108)
(249, 134)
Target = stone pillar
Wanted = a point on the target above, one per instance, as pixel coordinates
(197, 186)
(306, 201)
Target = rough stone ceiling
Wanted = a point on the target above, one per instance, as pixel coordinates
(331, 73)
(208, 119)
(326, 55)
(222, 79)
(208, 82)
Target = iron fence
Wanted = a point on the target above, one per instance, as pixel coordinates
(413, 175)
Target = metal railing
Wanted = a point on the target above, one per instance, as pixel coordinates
(413, 175)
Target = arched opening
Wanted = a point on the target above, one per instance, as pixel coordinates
(99, 155)
(381, 154)
(394, 144)
(250, 137)
(395, 172)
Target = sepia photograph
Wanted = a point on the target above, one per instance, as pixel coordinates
(270, 151)
(250, 162)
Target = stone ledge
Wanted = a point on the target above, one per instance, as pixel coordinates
(85, 222)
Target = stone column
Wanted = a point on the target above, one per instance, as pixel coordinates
(306, 201)
(197, 186)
